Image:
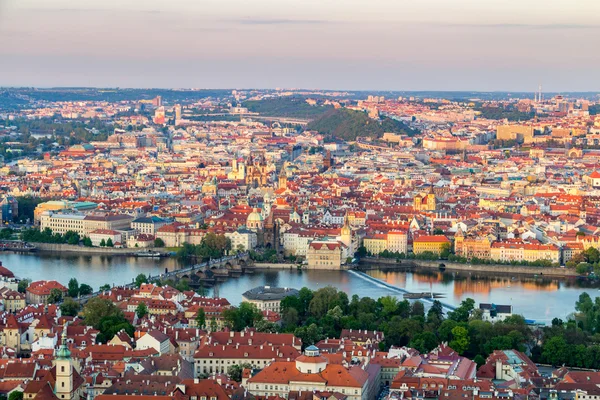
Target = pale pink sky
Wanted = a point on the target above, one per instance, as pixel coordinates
(338, 44)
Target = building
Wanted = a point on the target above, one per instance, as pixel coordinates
(472, 246)
(12, 300)
(218, 358)
(148, 225)
(393, 241)
(313, 372)
(62, 382)
(100, 236)
(519, 133)
(508, 365)
(592, 179)
(324, 254)
(510, 250)
(57, 205)
(425, 201)
(9, 208)
(431, 243)
(83, 224)
(37, 292)
(257, 173)
(267, 298)
(159, 116)
(242, 239)
(495, 313)
(156, 340)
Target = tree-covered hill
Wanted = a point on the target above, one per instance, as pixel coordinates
(350, 125)
(290, 107)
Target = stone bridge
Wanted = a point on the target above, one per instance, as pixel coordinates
(203, 274)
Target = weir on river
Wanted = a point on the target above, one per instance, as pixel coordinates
(393, 288)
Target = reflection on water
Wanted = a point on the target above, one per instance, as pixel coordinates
(536, 297)
(95, 270)
(540, 298)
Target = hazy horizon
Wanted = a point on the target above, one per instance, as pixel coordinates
(379, 45)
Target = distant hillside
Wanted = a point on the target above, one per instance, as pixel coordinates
(8, 101)
(291, 107)
(349, 125)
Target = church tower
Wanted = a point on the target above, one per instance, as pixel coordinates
(459, 238)
(282, 179)
(346, 235)
(64, 370)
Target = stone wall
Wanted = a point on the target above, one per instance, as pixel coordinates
(68, 248)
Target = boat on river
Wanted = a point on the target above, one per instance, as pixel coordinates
(148, 253)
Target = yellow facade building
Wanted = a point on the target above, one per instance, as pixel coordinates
(433, 243)
(425, 201)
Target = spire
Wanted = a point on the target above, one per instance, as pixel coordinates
(64, 352)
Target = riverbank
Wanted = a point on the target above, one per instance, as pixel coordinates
(69, 248)
(378, 263)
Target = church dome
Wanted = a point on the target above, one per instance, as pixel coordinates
(255, 220)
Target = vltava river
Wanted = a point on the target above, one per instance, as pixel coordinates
(541, 298)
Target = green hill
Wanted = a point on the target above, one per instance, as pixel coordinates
(290, 107)
(349, 125)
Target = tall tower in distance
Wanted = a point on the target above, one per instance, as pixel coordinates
(64, 370)
(540, 96)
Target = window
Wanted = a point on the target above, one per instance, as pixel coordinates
(62, 368)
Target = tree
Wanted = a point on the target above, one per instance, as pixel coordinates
(104, 288)
(266, 326)
(289, 318)
(109, 243)
(555, 351)
(96, 309)
(417, 309)
(309, 334)
(73, 288)
(460, 339)
(73, 238)
(201, 318)
(325, 299)
(15, 395)
(69, 307)
(592, 255)
(445, 253)
(140, 280)
(23, 285)
(238, 318)
(461, 313)
(479, 360)
(103, 243)
(235, 371)
(424, 342)
(142, 310)
(56, 296)
(158, 242)
(87, 242)
(389, 305)
(183, 285)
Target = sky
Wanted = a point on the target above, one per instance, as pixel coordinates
(483, 45)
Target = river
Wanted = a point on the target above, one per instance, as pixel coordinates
(539, 298)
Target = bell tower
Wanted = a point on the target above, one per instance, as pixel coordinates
(282, 179)
(64, 369)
